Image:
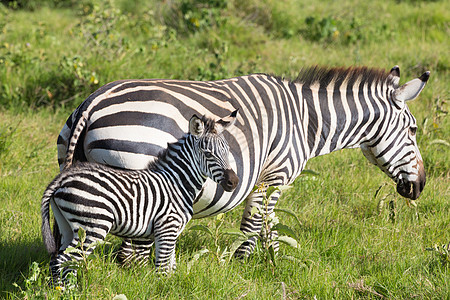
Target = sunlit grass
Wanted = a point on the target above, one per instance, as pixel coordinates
(348, 246)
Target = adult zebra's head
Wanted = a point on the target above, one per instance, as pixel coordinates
(213, 149)
(394, 150)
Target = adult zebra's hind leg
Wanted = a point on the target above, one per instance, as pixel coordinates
(254, 223)
(135, 252)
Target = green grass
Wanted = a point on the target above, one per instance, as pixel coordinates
(348, 247)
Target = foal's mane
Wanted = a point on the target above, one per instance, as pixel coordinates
(209, 128)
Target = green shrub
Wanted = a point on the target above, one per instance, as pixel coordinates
(37, 4)
(189, 16)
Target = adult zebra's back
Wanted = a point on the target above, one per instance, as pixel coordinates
(281, 125)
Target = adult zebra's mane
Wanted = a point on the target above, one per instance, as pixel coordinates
(325, 75)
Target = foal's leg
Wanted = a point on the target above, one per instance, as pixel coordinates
(166, 234)
(65, 261)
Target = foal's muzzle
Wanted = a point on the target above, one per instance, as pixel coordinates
(229, 181)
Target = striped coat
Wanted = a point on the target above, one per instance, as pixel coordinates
(282, 124)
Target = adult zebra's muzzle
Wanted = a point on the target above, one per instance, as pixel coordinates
(229, 181)
(412, 189)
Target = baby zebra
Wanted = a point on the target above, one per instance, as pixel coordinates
(151, 204)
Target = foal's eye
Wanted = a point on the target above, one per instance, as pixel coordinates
(412, 131)
(208, 154)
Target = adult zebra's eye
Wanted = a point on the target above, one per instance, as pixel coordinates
(412, 131)
(208, 154)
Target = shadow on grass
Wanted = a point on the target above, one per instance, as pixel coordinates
(17, 256)
(15, 260)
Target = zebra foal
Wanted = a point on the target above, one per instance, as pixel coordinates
(144, 205)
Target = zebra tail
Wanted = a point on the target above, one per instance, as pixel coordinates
(47, 236)
(74, 140)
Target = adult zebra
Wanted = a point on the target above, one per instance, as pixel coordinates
(282, 124)
(145, 205)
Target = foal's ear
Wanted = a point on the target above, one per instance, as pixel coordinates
(196, 126)
(226, 122)
(411, 89)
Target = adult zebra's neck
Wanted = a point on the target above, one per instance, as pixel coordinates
(341, 108)
(179, 164)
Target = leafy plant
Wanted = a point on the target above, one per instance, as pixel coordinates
(216, 69)
(76, 68)
(272, 233)
(36, 4)
(268, 238)
(345, 31)
(216, 233)
(189, 16)
(102, 31)
(84, 264)
(272, 228)
(320, 30)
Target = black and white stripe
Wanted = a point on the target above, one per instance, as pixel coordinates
(141, 205)
(282, 124)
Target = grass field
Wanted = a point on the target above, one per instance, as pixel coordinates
(349, 246)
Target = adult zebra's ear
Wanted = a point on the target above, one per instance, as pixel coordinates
(226, 122)
(411, 89)
(395, 75)
(196, 126)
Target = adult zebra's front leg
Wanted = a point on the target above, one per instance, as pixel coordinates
(254, 222)
(135, 252)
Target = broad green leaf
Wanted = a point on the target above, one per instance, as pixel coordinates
(97, 243)
(236, 244)
(270, 190)
(202, 228)
(289, 212)
(282, 188)
(274, 220)
(272, 254)
(72, 250)
(82, 234)
(254, 210)
(285, 230)
(287, 240)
